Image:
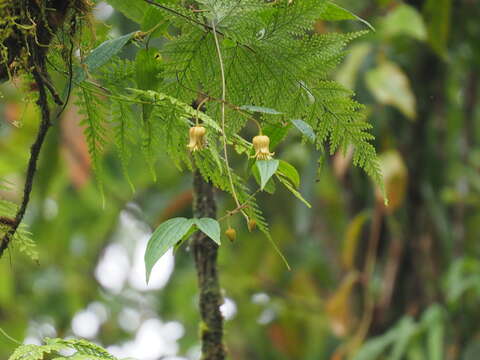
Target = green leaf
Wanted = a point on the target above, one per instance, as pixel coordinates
(148, 68)
(260, 109)
(390, 86)
(438, 15)
(209, 227)
(352, 237)
(472, 350)
(154, 19)
(229, 43)
(334, 12)
(85, 350)
(34, 352)
(287, 170)
(348, 73)
(132, 9)
(163, 238)
(406, 330)
(404, 20)
(294, 191)
(266, 169)
(305, 129)
(373, 348)
(433, 320)
(269, 187)
(157, 97)
(101, 55)
(276, 132)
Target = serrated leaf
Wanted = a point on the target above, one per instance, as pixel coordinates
(100, 56)
(266, 168)
(260, 109)
(305, 129)
(34, 352)
(163, 238)
(287, 170)
(83, 348)
(334, 12)
(209, 227)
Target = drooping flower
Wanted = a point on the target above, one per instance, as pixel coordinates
(261, 144)
(197, 141)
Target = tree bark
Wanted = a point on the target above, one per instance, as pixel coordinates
(205, 255)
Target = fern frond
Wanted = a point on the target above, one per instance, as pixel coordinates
(34, 352)
(209, 169)
(169, 124)
(22, 238)
(82, 347)
(272, 59)
(125, 132)
(25, 243)
(83, 350)
(95, 122)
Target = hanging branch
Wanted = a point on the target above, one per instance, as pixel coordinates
(34, 32)
(45, 124)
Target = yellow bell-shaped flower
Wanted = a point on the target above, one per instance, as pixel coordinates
(197, 141)
(261, 144)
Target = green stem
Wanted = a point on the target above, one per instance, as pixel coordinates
(222, 107)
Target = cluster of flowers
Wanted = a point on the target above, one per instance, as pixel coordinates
(260, 142)
(261, 145)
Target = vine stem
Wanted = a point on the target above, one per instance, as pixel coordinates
(4, 333)
(44, 126)
(222, 107)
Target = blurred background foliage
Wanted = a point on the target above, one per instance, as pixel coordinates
(367, 281)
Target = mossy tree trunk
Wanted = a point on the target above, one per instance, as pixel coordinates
(205, 255)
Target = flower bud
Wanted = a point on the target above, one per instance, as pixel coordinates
(252, 224)
(261, 144)
(197, 141)
(231, 234)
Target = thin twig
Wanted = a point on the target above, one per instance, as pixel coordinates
(34, 154)
(51, 89)
(205, 99)
(205, 26)
(70, 78)
(369, 268)
(4, 333)
(231, 106)
(241, 207)
(179, 14)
